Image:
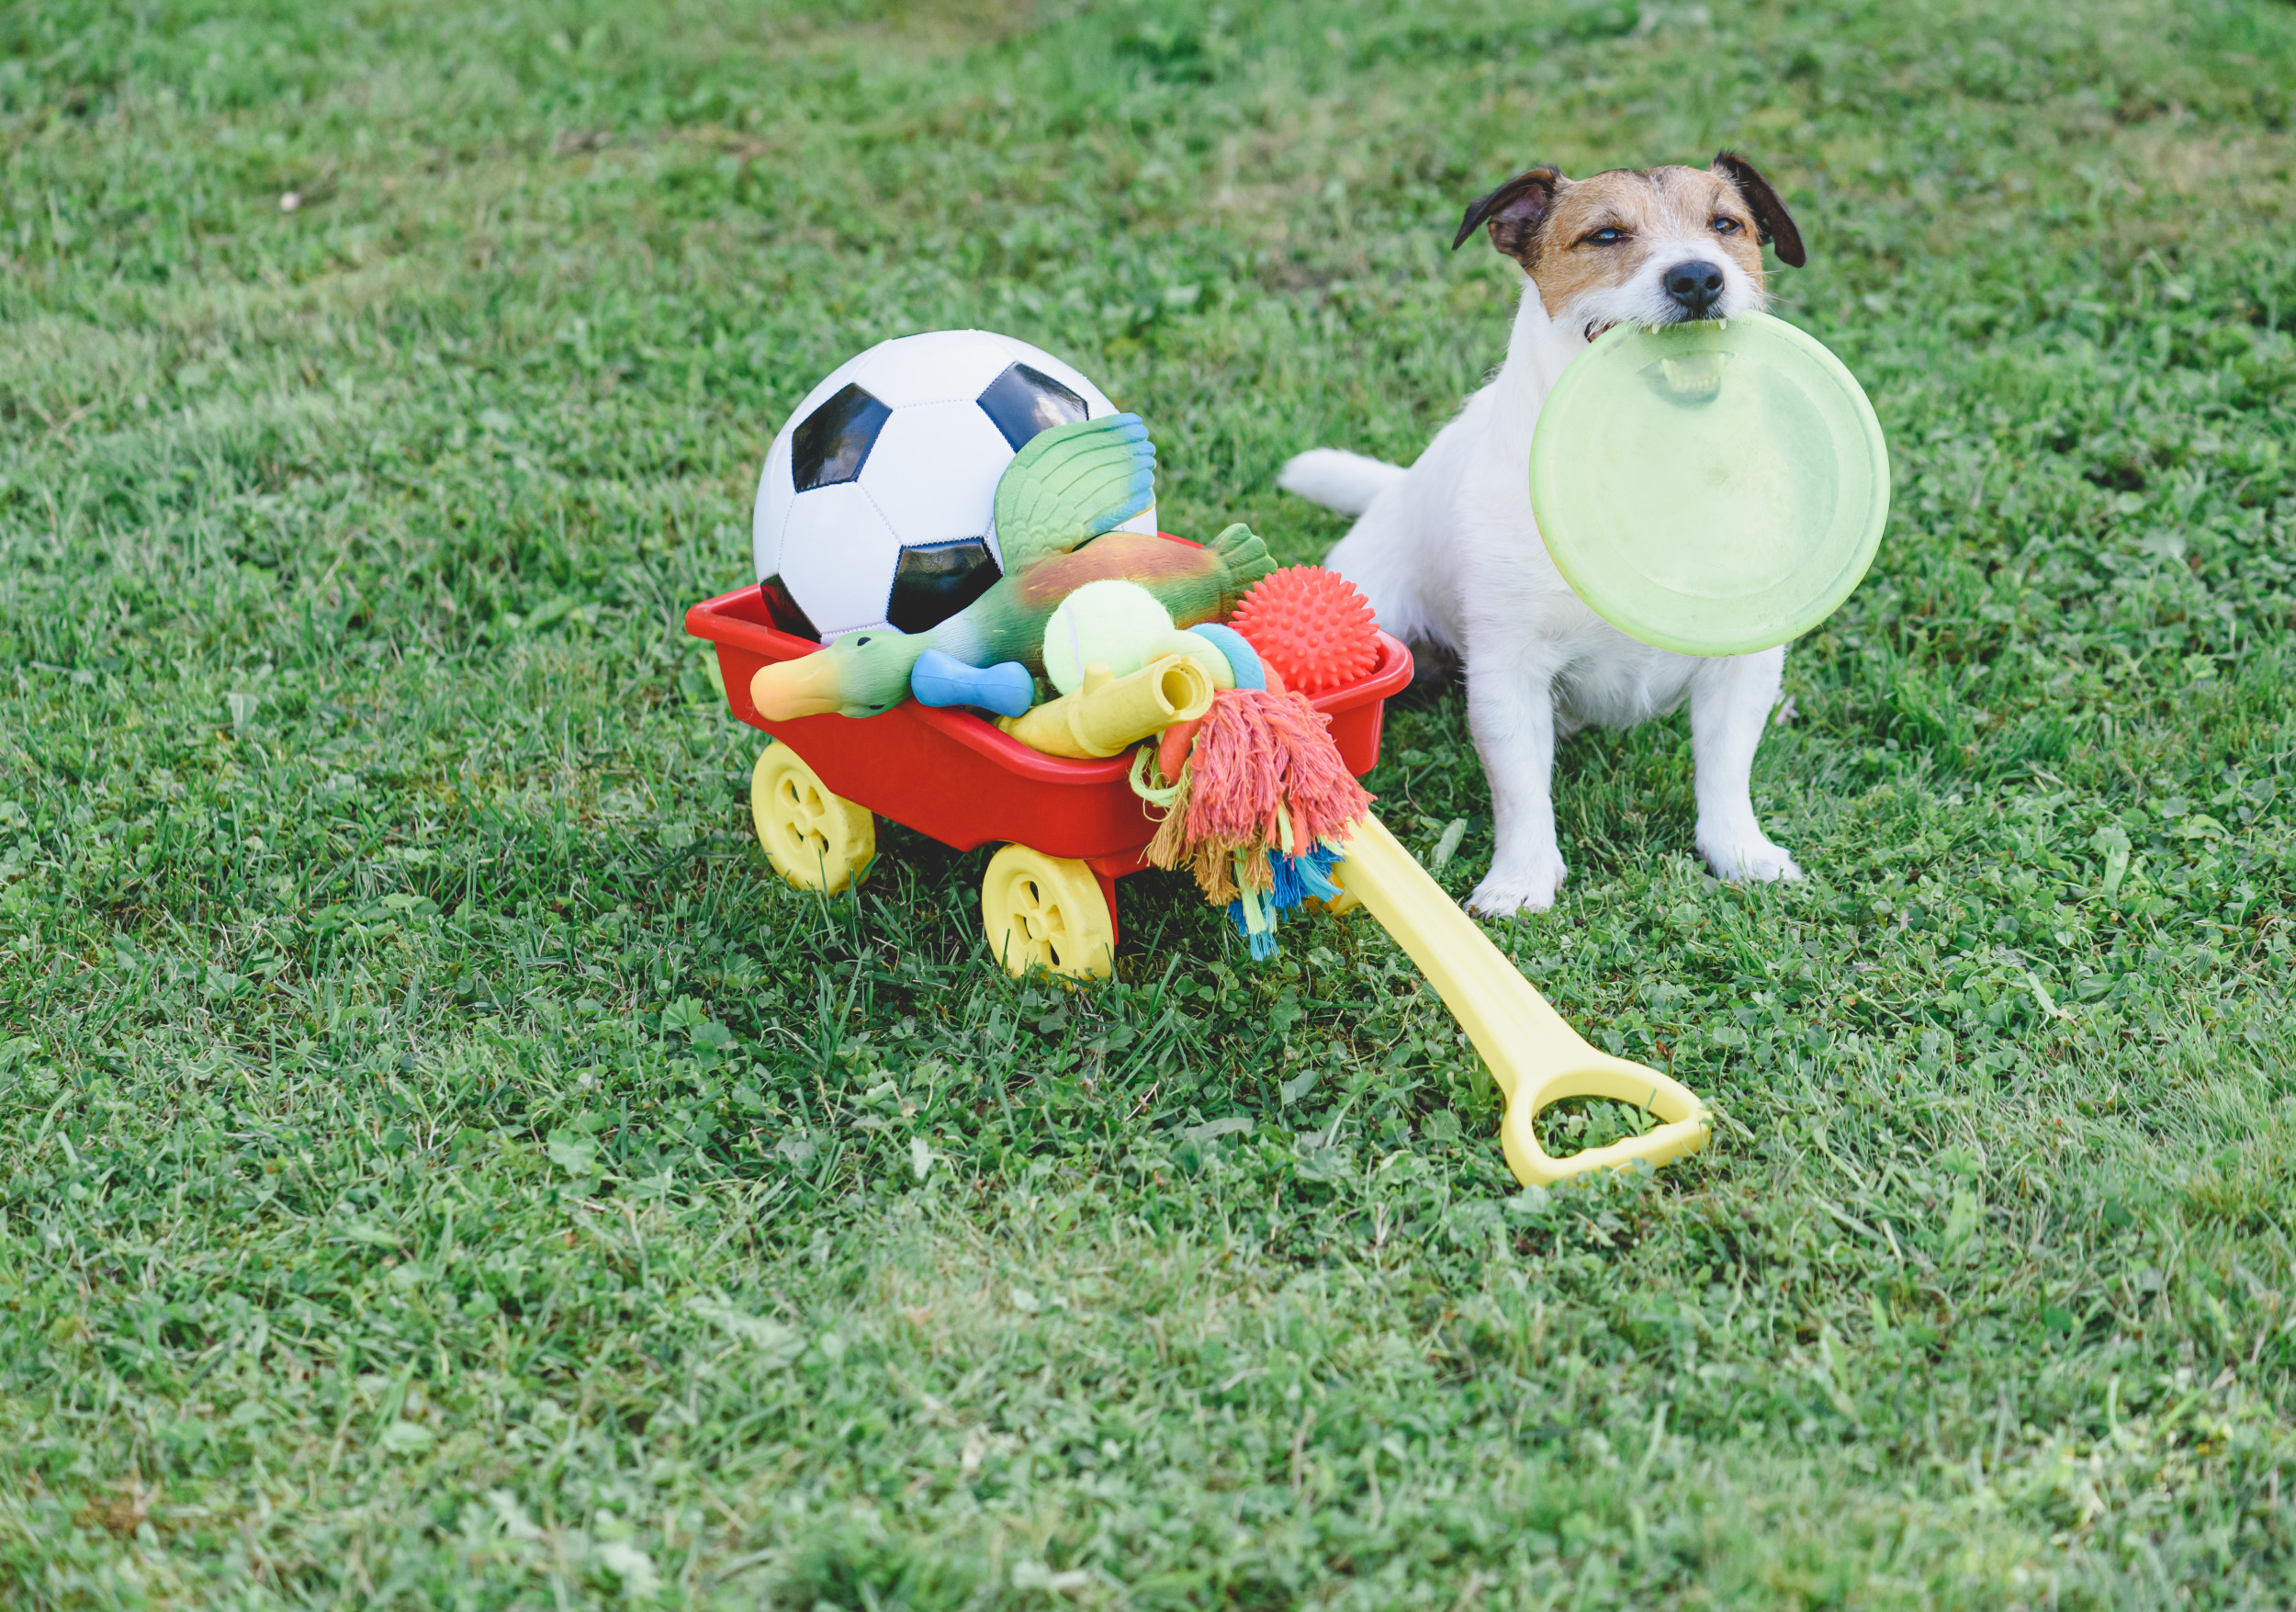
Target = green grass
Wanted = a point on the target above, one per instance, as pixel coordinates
(444, 1168)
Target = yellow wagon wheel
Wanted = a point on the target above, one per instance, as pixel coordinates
(1047, 912)
(816, 839)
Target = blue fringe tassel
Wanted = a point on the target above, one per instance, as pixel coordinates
(1296, 878)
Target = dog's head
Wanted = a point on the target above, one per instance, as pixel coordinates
(1645, 246)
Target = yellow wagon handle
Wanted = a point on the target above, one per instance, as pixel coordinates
(1534, 1056)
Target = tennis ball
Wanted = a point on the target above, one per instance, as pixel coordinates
(1111, 623)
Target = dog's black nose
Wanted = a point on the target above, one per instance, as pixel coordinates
(1696, 287)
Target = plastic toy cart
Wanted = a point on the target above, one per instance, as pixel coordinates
(1071, 829)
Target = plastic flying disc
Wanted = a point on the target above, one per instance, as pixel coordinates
(1713, 488)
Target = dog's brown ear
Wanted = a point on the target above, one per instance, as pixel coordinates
(1513, 212)
(1773, 224)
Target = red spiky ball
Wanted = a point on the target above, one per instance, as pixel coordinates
(1311, 625)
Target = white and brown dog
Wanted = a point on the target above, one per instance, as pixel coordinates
(1451, 558)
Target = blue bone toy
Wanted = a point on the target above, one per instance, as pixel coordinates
(1004, 688)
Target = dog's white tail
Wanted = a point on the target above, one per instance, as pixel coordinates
(1338, 480)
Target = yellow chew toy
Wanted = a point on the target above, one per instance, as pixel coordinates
(1534, 1056)
(1108, 712)
(1198, 648)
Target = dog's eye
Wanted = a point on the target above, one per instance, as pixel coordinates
(1725, 226)
(1608, 235)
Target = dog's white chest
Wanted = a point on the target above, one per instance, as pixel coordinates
(1620, 684)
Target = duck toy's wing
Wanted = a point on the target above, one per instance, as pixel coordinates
(1070, 484)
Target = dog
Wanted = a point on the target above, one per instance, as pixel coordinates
(1450, 556)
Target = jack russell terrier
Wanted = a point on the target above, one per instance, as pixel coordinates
(1451, 558)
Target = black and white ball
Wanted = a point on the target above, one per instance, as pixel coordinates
(878, 501)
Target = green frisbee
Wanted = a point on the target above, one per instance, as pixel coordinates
(1713, 488)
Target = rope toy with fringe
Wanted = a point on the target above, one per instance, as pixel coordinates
(1261, 810)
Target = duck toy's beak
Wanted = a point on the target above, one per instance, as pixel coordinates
(807, 686)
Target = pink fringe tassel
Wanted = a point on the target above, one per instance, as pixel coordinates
(1258, 752)
(1258, 760)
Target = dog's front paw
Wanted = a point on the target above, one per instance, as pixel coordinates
(1756, 859)
(1503, 894)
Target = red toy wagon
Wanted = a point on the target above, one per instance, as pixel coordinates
(1072, 828)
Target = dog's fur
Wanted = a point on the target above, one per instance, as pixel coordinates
(1452, 562)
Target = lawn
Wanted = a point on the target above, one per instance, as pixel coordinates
(444, 1168)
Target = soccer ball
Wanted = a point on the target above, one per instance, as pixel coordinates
(877, 505)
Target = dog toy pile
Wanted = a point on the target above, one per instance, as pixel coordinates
(1074, 592)
(1083, 647)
